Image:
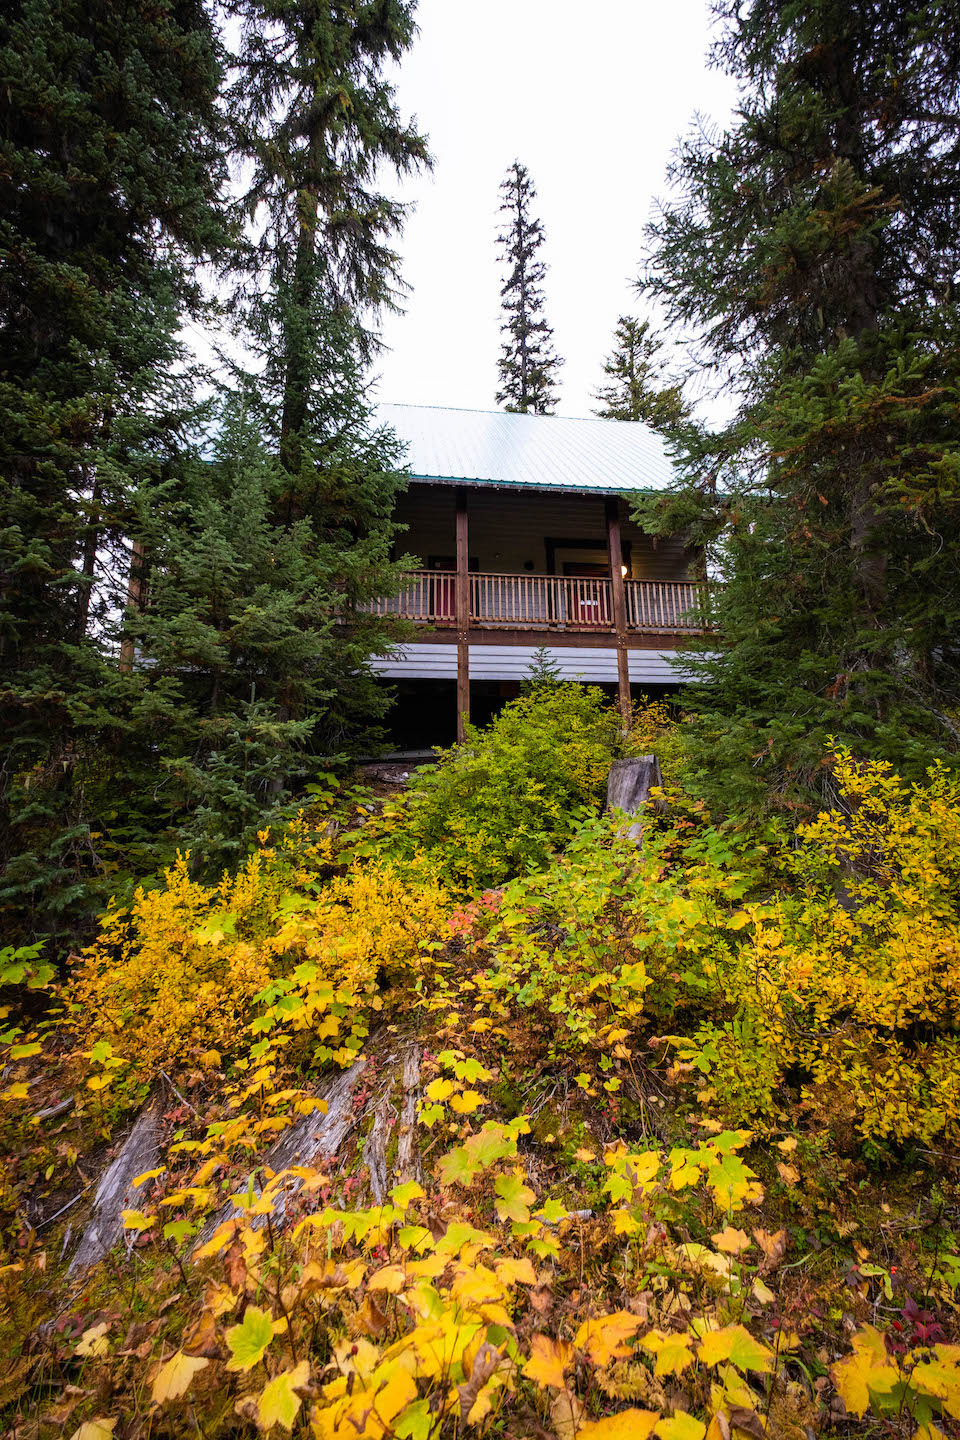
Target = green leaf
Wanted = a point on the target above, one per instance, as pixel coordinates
(513, 1198)
(248, 1341)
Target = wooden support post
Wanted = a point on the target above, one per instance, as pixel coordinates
(134, 597)
(463, 616)
(618, 594)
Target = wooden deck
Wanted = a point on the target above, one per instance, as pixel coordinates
(551, 603)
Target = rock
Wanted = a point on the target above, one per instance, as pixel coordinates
(629, 786)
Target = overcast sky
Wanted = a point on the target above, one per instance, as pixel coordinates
(591, 98)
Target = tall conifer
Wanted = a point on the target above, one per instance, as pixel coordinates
(108, 183)
(814, 250)
(256, 630)
(636, 388)
(528, 364)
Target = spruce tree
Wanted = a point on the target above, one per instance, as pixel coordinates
(260, 671)
(109, 169)
(814, 252)
(636, 390)
(528, 365)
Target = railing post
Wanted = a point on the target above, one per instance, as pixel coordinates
(615, 552)
(463, 616)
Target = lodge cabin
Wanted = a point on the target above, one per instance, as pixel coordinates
(521, 527)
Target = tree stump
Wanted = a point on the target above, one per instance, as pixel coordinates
(629, 786)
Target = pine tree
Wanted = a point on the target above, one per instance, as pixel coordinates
(109, 170)
(528, 365)
(815, 252)
(636, 371)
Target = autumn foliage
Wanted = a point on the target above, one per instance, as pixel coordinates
(678, 1156)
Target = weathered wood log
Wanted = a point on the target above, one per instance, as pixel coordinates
(116, 1192)
(308, 1141)
(628, 788)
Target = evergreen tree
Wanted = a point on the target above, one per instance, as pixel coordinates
(255, 639)
(528, 365)
(814, 251)
(108, 183)
(636, 390)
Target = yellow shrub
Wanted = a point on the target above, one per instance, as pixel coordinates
(189, 967)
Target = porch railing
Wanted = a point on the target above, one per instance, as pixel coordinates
(550, 602)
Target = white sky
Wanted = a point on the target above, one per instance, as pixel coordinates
(591, 98)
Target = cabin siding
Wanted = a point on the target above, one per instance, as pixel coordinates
(509, 531)
(591, 664)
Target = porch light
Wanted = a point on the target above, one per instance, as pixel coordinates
(623, 571)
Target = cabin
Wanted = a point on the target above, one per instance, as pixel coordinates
(522, 532)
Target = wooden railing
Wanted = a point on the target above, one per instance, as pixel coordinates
(549, 602)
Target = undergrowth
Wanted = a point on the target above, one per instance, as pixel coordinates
(686, 1140)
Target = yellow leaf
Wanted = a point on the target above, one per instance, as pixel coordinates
(136, 1220)
(513, 1272)
(789, 1174)
(174, 1379)
(868, 1368)
(99, 1429)
(99, 1082)
(391, 1278)
(92, 1341)
(148, 1175)
(549, 1359)
(735, 1343)
(787, 1146)
(278, 1402)
(439, 1090)
(731, 1241)
(628, 1425)
(672, 1350)
(20, 1091)
(604, 1339)
(584, 1155)
(466, 1103)
(681, 1426)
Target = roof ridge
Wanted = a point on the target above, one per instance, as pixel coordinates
(508, 414)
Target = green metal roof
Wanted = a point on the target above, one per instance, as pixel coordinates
(535, 452)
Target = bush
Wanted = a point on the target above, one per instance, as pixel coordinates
(502, 803)
(191, 969)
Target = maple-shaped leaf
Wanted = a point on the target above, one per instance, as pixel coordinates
(513, 1198)
(627, 1425)
(867, 1369)
(136, 1220)
(549, 1361)
(279, 1403)
(604, 1339)
(513, 1272)
(940, 1376)
(624, 1223)
(248, 1341)
(731, 1241)
(736, 1344)
(459, 1235)
(680, 1426)
(468, 1102)
(733, 1183)
(672, 1350)
(174, 1379)
(553, 1212)
(404, 1195)
(471, 1070)
(439, 1090)
(457, 1168)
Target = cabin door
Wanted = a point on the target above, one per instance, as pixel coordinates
(443, 587)
(588, 595)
